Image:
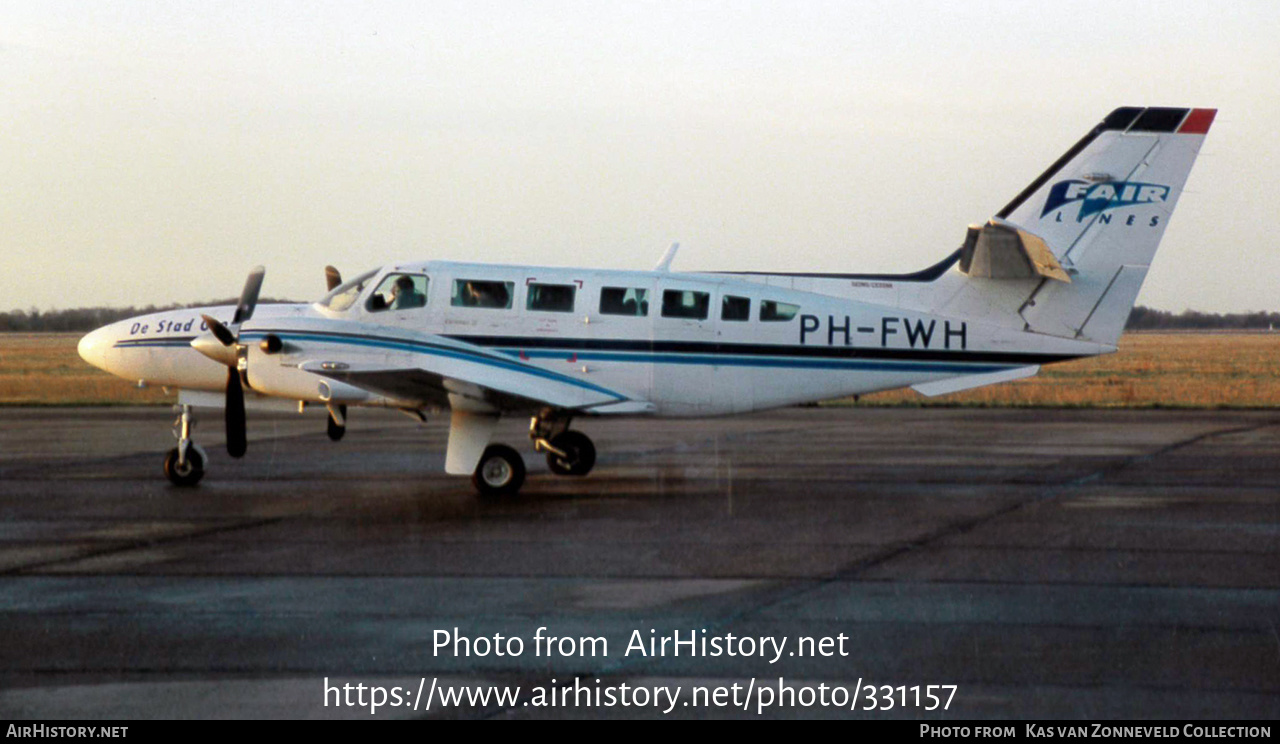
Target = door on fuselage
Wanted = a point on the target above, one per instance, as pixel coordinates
(684, 340)
(735, 377)
(620, 319)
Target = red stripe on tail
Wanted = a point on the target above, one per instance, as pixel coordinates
(1198, 121)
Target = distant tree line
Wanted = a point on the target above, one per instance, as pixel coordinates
(1147, 319)
(88, 318)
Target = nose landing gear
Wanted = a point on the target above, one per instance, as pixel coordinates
(184, 465)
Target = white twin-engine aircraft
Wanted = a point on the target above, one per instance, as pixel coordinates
(1051, 277)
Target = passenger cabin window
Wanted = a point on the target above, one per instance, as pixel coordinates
(481, 293)
(685, 303)
(552, 298)
(399, 292)
(624, 301)
(774, 311)
(735, 308)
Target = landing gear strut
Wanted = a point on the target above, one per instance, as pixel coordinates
(337, 421)
(184, 465)
(568, 452)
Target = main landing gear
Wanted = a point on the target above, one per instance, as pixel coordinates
(501, 470)
(184, 465)
(569, 452)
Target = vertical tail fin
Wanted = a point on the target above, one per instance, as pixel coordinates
(1101, 210)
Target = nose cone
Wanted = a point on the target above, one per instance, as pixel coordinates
(94, 346)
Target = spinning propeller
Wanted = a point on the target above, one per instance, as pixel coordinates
(223, 345)
(338, 414)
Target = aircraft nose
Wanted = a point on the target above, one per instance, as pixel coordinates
(93, 347)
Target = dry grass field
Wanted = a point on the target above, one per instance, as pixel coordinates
(44, 369)
(1182, 370)
(1151, 370)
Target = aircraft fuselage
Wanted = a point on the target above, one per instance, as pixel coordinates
(683, 344)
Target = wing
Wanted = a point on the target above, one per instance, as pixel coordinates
(415, 370)
(437, 370)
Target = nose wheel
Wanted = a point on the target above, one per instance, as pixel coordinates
(184, 471)
(184, 465)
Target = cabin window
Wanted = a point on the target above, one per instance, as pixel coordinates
(624, 301)
(399, 292)
(735, 308)
(482, 293)
(552, 298)
(774, 311)
(685, 303)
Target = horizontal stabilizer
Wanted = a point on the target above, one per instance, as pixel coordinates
(968, 382)
(1000, 251)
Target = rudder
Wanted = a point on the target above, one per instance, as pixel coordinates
(1101, 211)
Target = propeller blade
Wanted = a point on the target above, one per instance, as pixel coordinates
(220, 332)
(332, 277)
(249, 295)
(237, 439)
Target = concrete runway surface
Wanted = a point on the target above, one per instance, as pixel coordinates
(1047, 563)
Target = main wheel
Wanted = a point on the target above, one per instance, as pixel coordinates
(335, 431)
(580, 454)
(187, 474)
(500, 472)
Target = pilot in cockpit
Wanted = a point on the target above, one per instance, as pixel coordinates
(404, 296)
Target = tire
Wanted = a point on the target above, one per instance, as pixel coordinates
(500, 472)
(335, 431)
(580, 450)
(180, 476)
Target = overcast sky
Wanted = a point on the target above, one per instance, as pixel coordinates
(155, 152)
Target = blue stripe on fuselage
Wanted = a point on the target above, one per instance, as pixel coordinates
(133, 343)
(729, 360)
(782, 359)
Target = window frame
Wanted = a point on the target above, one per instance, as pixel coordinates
(392, 278)
(529, 295)
(776, 317)
(456, 293)
(641, 301)
(705, 304)
(746, 314)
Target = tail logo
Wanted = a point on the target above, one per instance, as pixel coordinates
(1096, 198)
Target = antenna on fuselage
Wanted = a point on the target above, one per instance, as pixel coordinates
(664, 264)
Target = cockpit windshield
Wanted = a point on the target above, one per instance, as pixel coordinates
(345, 295)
